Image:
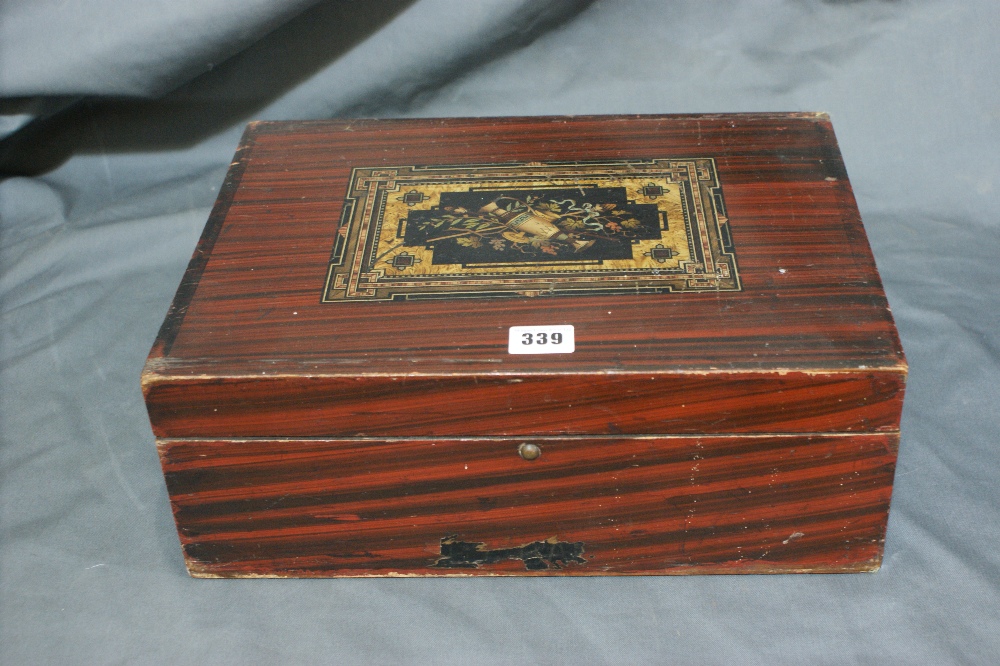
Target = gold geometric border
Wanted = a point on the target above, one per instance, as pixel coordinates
(364, 264)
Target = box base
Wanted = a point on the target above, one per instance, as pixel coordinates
(586, 506)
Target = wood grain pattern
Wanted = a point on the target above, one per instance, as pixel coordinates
(812, 298)
(637, 505)
(639, 404)
(717, 432)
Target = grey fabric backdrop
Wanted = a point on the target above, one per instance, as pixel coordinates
(120, 118)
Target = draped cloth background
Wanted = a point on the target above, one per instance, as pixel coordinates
(119, 118)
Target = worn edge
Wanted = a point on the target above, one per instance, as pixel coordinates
(279, 126)
(826, 125)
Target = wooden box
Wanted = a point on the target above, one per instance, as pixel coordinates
(709, 380)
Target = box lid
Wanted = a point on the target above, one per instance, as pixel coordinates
(361, 277)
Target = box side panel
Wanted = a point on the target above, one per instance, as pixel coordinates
(585, 506)
(488, 406)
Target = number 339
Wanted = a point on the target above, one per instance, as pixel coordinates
(541, 338)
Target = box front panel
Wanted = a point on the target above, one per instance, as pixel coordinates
(571, 506)
(495, 406)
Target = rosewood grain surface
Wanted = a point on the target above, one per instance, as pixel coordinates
(535, 404)
(250, 305)
(625, 505)
(720, 432)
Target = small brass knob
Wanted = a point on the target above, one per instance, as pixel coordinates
(529, 451)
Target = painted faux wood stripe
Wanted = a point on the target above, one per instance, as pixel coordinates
(529, 405)
(637, 505)
(740, 377)
(812, 298)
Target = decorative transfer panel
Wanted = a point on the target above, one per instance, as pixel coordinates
(532, 229)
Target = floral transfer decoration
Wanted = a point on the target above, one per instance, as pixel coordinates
(409, 233)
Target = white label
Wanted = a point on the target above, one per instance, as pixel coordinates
(541, 340)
